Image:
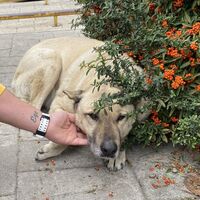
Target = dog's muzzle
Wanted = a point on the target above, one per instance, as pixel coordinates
(108, 148)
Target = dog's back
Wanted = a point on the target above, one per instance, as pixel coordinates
(44, 67)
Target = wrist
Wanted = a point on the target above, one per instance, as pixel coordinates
(43, 125)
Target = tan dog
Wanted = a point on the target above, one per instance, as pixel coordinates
(50, 75)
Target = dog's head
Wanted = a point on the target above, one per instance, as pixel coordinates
(106, 130)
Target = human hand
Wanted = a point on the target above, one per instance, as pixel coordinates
(62, 130)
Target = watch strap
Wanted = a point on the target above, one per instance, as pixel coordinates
(44, 123)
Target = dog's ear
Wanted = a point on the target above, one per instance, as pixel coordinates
(74, 95)
(142, 116)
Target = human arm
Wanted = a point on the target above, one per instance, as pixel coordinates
(22, 115)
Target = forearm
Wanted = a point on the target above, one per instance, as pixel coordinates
(61, 129)
(18, 113)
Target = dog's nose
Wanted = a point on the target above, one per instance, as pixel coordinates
(108, 148)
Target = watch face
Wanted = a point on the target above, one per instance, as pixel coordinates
(44, 122)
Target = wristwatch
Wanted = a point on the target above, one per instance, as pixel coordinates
(44, 123)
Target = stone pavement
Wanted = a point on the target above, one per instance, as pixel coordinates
(150, 174)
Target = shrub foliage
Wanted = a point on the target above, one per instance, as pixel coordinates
(163, 38)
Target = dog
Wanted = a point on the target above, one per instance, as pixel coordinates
(49, 75)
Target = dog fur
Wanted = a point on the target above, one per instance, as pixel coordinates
(49, 75)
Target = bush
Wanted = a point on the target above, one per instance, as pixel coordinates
(163, 38)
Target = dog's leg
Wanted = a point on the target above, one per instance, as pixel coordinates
(118, 163)
(49, 150)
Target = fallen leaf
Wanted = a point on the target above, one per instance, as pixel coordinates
(110, 194)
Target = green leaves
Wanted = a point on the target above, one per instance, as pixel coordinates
(138, 27)
(187, 131)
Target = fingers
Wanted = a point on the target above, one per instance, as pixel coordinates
(71, 117)
(80, 141)
(81, 135)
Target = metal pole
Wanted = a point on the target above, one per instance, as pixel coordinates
(55, 20)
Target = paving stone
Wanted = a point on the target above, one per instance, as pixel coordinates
(152, 167)
(32, 36)
(7, 28)
(69, 184)
(5, 44)
(8, 132)
(72, 157)
(7, 70)
(19, 48)
(62, 33)
(7, 197)
(5, 52)
(6, 37)
(6, 79)
(8, 155)
(11, 10)
(28, 136)
(9, 62)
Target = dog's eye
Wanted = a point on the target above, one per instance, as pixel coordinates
(120, 117)
(93, 116)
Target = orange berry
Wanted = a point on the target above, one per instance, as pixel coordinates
(149, 81)
(178, 3)
(151, 169)
(151, 6)
(194, 46)
(178, 33)
(188, 75)
(155, 61)
(165, 124)
(164, 23)
(179, 80)
(195, 29)
(173, 66)
(175, 85)
(141, 57)
(174, 119)
(197, 88)
(168, 74)
(130, 54)
(162, 66)
(173, 52)
(155, 186)
(192, 62)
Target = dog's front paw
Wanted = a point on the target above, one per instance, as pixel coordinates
(49, 150)
(118, 163)
(42, 154)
